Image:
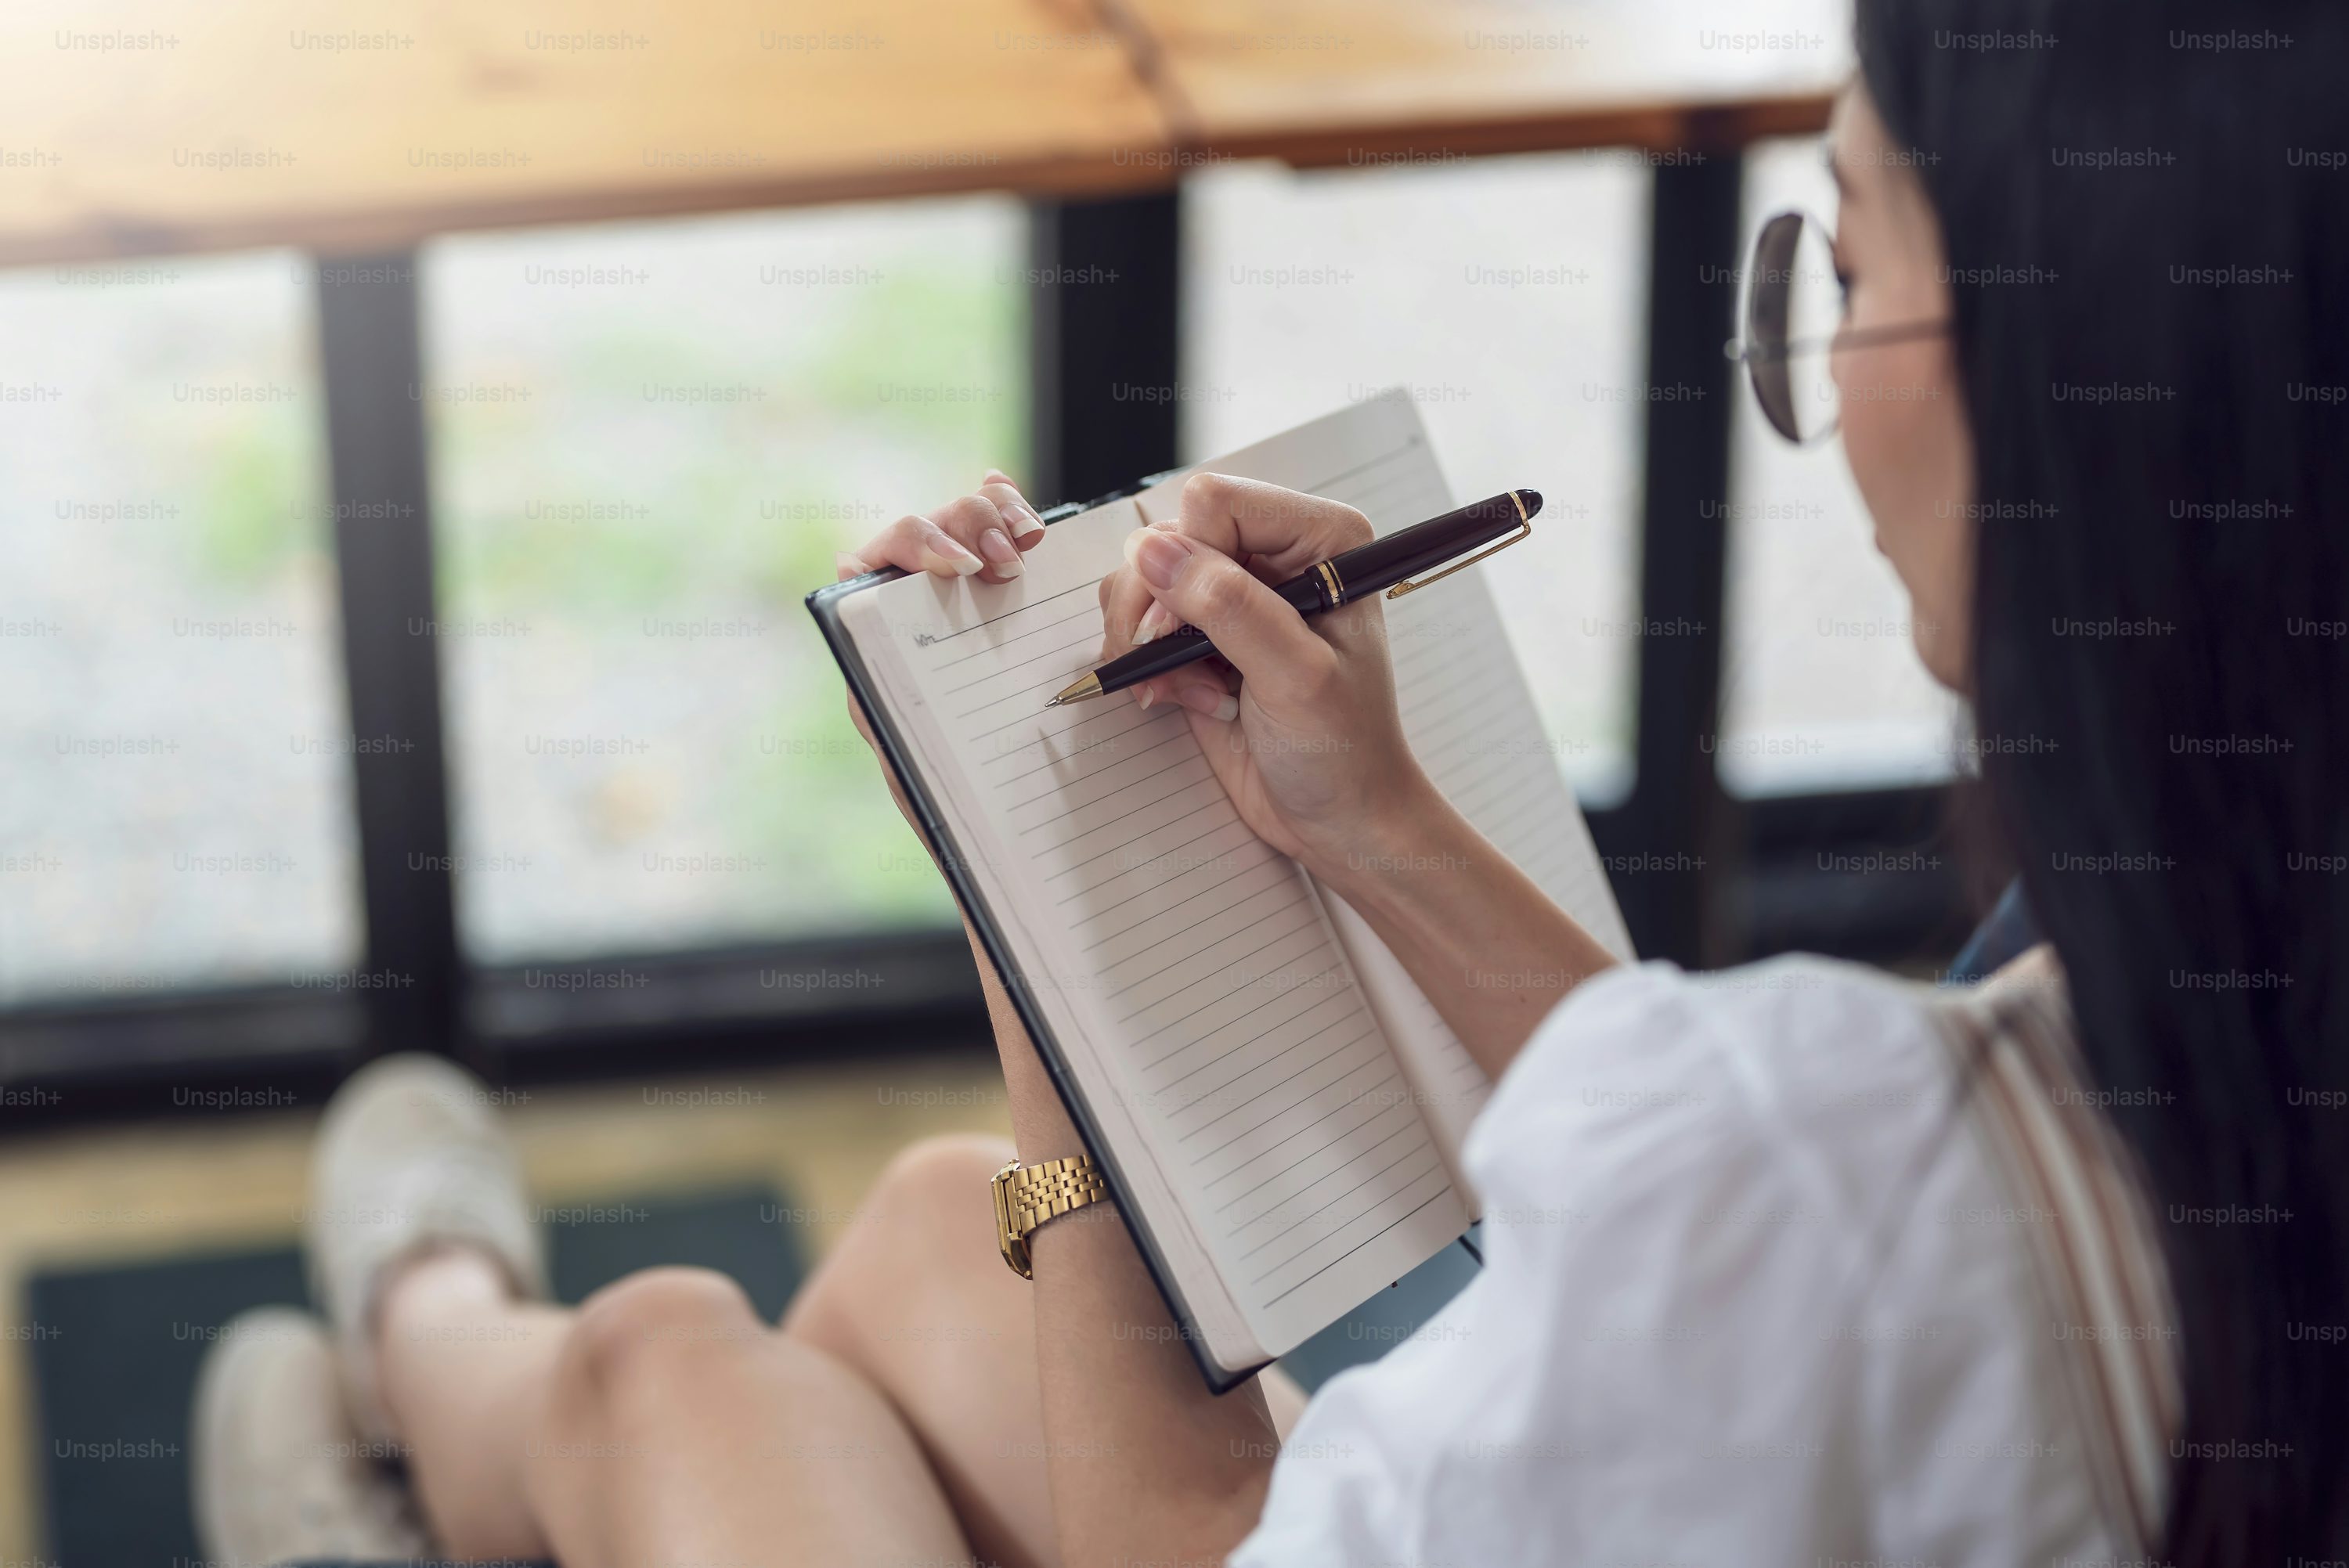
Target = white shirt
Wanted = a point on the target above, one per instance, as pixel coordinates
(1752, 1297)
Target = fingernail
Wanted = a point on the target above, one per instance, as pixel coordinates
(940, 547)
(1155, 623)
(1023, 521)
(845, 565)
(1159, 557)
(1145, 695)
(1206, 699)
(1000, 553)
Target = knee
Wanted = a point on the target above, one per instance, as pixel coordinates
(942, 1171)
(658, 1326)
(927, 1224)
(931, 1206)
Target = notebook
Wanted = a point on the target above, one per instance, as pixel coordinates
(1277, 1108)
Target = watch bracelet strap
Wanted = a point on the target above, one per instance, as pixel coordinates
(1052, 1187)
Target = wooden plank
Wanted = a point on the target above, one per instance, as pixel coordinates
(148, 126)
(1403, 82)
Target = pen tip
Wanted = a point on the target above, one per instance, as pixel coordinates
(1083, 686)
(1531, 501)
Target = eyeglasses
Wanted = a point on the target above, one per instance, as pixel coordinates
(1794, 324)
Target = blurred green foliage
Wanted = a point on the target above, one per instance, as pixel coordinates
(593, 509)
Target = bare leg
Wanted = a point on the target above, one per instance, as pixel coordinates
(915, 1298)
(695, 1435)
(465, 1373)
(662, 1422)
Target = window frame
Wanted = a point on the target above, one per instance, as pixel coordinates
(1705, 879)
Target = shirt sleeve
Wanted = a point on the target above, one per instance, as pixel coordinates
(1666, 1358)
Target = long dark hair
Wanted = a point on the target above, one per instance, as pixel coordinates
(2147, 218)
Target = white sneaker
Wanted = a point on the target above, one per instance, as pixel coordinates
(410, 1157)
(277, 1472)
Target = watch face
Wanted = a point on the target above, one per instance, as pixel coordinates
(1015, 1248)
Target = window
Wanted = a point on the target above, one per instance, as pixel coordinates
(1509, 295)
(175, 810)
(650, 442)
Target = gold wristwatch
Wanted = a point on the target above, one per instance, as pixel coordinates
(1028, 1195)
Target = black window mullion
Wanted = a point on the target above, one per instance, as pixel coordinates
(1671, 836)
(370, 351)
(1105, 298)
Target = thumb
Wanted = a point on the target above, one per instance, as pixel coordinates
(1254, 628)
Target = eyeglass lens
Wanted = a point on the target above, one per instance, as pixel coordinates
(1794, 309)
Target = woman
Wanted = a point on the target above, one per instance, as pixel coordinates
(1802, 1265)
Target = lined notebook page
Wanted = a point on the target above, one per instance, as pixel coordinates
(1467, 710)
(1193, 961)
(1472, 723)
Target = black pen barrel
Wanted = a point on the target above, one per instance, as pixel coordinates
(1355, 575)
(1375, 567)
(1188, 645)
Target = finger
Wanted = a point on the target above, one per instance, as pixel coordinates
(1168, 689)
(1019, 519)
(1124, 598)
(1286, 530)
(1274, 532)
(1286, 665)
(976, 524)
(1126, 601)
(1130, 615)
(917, 544)
(1202, 690)
(845, 566)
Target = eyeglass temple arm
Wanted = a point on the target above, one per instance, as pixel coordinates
(1745, 352)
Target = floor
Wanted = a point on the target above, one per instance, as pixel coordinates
(221, 1181)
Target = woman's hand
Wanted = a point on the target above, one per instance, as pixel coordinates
(983, 534)
(993, 526)
(1311, 751)
(1184, 1467)
(1298, 720)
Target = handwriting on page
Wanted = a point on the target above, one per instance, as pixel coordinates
(1201, 958)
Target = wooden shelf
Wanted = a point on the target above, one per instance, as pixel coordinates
(1319, 82)
(144, 127)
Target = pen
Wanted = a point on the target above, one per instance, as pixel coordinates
(1386, 564)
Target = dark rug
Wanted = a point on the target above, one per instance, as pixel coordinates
(114, 1383)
